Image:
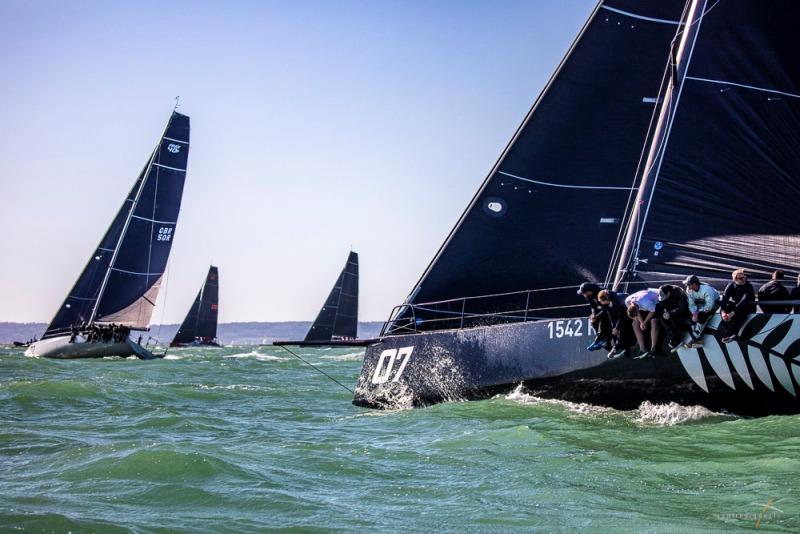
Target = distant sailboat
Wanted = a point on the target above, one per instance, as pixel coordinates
(200, 326)
(337, 321)
(116, 292)
(665, 144)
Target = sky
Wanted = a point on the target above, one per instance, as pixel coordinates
(317, 127)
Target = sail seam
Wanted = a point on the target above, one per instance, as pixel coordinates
(176, 140)
(642, 17)
(134, 272)
(754, 87)
(168, 167)
(154, 220)
(566, 186)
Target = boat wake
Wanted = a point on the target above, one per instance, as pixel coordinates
(674, 414)
(647, 414)
(522, 396)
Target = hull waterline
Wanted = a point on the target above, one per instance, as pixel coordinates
(60, 348)
(760, 376)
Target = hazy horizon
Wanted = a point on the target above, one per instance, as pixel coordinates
(316, 128)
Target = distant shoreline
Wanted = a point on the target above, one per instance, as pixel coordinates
(239, 333)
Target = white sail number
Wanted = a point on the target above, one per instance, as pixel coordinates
(164, 233)
(390, 357)
(569, 328)
(172, 147)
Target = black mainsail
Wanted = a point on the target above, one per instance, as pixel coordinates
(200, 325)
(721, 188)
(550, 211)
(338, 318)
(121, 281)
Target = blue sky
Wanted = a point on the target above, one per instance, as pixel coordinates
(316, 127)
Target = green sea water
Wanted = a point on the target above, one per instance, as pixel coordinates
(245, 439)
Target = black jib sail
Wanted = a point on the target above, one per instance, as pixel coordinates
(721, 188)
(549, 213)
(120, 283)
(338, 318)
(200, 325)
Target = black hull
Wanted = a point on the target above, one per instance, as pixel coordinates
(550, 359)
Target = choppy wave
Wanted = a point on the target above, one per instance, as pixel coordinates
(257, 356)
(673, 414)
(521, 396)
(349, 357)
(647, 413)
(222, 441)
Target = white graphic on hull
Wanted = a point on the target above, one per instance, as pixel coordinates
(761, 355)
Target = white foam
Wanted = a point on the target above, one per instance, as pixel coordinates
(672, 414)
(258, 356)
(173, 357)
(349, 357)
(519, 395)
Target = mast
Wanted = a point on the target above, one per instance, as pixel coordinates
(680, 59)
(110, 265)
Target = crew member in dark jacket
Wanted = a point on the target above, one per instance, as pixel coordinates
(623, 338)
(774, 290)
(598, 317)
(673, 310)
(796, 295)
(738, 300)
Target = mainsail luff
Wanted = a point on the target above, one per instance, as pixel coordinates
(678, 65)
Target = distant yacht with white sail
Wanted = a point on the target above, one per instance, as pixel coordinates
(115, 294)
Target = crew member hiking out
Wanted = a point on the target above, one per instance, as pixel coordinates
(641, 308)
(703, 303)
(772, 291)
(673, 310)
(738, 300)
(622, 335)
(598, 317)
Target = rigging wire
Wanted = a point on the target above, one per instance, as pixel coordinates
(316, 368)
